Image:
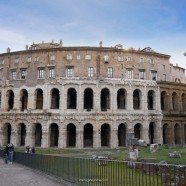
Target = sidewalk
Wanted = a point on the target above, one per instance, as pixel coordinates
(18, 175)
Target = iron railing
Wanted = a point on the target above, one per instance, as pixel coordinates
(102, 172)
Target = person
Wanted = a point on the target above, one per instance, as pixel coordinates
(10, 153)
(33, 150)
(6, 154)
(27, 149)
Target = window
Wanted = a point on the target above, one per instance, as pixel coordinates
(106, 58)
(52, 57)
(151, 61)
(51, 72)
(164, 77)
(69, 57)
(17, 60)
(78, 57)
(129, 74)
(13, 74)
(141, 74)
(154, 75)
(70, 72)
(88, 57)
(41, 73)
(36, 59)
(2, 61)
(141, 60)
(120, 58)
(29, 59)
(164, 67)
(90, 71)
(23, 74)
(110, 72)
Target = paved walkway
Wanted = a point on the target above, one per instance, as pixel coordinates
(18, 175)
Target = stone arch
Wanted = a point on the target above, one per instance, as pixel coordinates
(24, 99)
(175, 101)
(105, 135)
(122, 135)
(54, 135)
(177, 134)
(7, 132)
(55, 97)
(151, 99)
(183, 98)
(71, 98)
(105, 99)
(151, 132)
(121, 99)
(88, 135)
(71, 135)
(38, 134)
(88, 99)
(22, 134)
(10, 99)
(138, 131)
(164, 100)
(137, 99)
(166, 134)
(39, 98)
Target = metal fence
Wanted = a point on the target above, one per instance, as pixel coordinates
(99, 172)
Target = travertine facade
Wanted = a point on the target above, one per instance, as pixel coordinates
(53, 95)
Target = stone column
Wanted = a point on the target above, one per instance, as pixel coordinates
(45, 137)
(144, 99)
(145, 131)
(158, 132)
(17, 105)
(80, 100)
(62, 138)
(79, 138)
(114, 100)
(14, 136)
(114, 138)
(158, 99)
(1, 137)
(28, 137)
(62, 103)
(96, 138)
(97, 104)
(170, 105)
(46, 97)
(130, 99)
(31, 99)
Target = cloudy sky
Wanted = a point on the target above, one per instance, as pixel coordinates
(160, 24)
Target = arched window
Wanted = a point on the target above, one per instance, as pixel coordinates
(166, 134)
(22, 129)
(151, 132)
(24, 99)
(151, 99)
(71, 99)
(184, 102)
(71, 135)
(88, 135)
(54, 135)
(121, 99)
(137, 131)
(164, 100)
(7, 131)
(39, 99)
(105, 99)
(88, 99)
(105, 135)
(10, 99)
(121, 135)
(38, 134)
(55, 97)
(177, 134)
(136, 99)
(175, 101)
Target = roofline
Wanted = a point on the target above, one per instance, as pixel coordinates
(101, 49)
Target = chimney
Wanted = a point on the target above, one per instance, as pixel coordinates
(26, 47)
(100, 44)
(8, 50)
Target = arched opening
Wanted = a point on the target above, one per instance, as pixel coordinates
(71, 135)
(39, 99)
(55, 98)
(38, 134)
(24, 99)
(121, 100)
(88, 135)
(175, 101)
(136, 99)
(7, 130)
(105, 99)
(166, 134)
(185, 133)
(184, 102)
(10, 98)
(151, 100)
(151, 132)
(22, 134)
(54, 135)
(164, 101)
(177, 134)
(105, 135)
(137, 131)
(122, 135)
(88, 99)
(71, 99)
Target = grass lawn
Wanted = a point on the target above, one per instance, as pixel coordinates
(118, 154)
